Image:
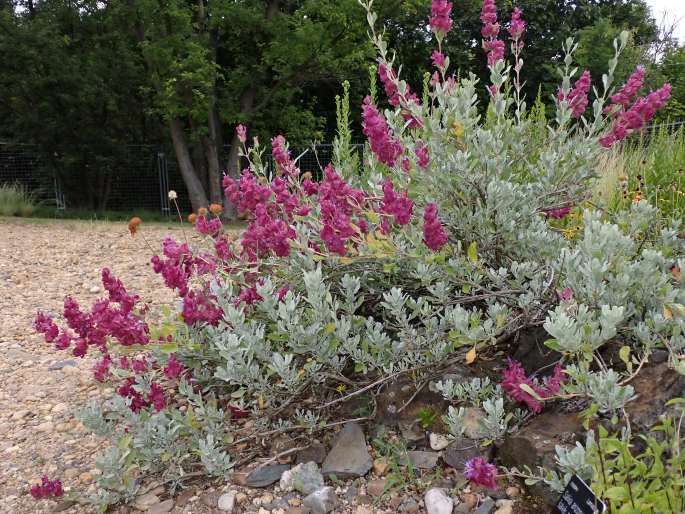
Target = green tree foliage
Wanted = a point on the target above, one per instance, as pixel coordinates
(81, 78)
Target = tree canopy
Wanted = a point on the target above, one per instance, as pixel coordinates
(83, 78)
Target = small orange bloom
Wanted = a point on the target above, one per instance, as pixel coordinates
(638, 197)
(133, 225)
(192, 218)
(215, 209)
(202, 211)
(307, 175)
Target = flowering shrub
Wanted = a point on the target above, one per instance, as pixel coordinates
(444, 247)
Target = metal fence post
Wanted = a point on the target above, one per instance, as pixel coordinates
(163, 171)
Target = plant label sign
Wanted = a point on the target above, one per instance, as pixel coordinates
(578, 498)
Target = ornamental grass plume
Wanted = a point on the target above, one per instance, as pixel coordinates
(480, 472)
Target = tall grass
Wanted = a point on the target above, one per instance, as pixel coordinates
(650, 167)
(16, 200)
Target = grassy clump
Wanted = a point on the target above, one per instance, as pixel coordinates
(16, 200)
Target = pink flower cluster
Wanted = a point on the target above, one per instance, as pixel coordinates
(577, 98)
(109, 318)
(399, 206)
(387, 148)
(282, 157)
(480, 472)
(209, 227)
(626, 94)
(246, 193)
(390, 83)
(177, 268)
(434, 235)
(440, 21)
(267, 233)
(558, 213)
(493, 47)
(199, 307)
(635, 118)
(241, 132)
(47, 489)
(422, 156)
(438, 59)
(339, 203)
(514, 375)
(517, 27)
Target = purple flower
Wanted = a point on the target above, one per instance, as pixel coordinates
(642, 111)
(174, 368)
(557, 214)
(493, 47)
(397, 205)
(241, 131)
(625, 95)
(156, 397)
(438, 59)
(101, 368)
(44, 324)
(421, 151)
(517, 26)
(208, 227)
(577, 97)
(480, 472)
(387, 148)
(440, 21)
(514, 376)
(434, 235)
(47, 489)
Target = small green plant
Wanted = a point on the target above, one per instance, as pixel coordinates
(16, 200)
(427, 417)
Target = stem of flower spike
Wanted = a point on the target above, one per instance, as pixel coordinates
(180, 218)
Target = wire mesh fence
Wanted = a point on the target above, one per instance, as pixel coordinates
(127, 178)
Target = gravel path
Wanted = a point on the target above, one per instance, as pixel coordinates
(41, 262)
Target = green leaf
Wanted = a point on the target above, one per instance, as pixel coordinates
(472, 252)
(616, 493)
(624, 354)
(169, 347)
(531, 392)
(553, 344)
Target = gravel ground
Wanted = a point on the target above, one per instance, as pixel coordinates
(41, 262)
(41, 388)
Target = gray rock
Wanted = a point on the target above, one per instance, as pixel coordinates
(423, 460)
(315, 453)
(486, 507)
(473, 426)
(226, 502)
(437, 502)
(305, 478)
(411, 506)
(61, 365)
(461, 450)
(266, 475)
(144, 501)
(321, 501)
(161, 508)
(348, 457)
(438, 441)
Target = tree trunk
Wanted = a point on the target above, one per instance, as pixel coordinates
(212, 146)
(196, 192)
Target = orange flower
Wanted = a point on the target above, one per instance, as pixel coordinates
(133, 225)
(202, 211)
(307, 175)
(192, 218)
(215, 208)
(637, 197)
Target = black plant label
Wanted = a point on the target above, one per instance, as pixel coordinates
(578, 498)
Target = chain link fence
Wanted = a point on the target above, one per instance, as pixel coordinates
(134, 177)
